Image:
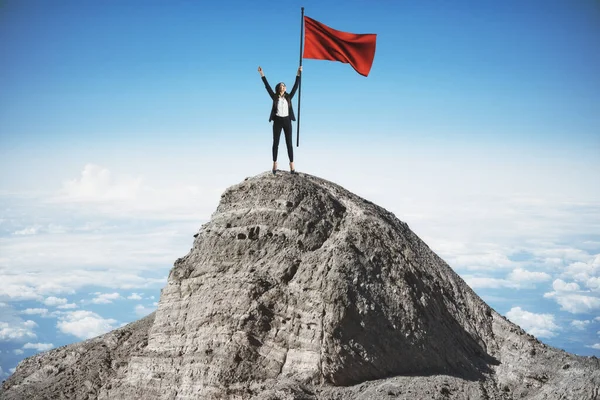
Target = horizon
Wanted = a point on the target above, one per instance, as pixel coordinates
(121, 125)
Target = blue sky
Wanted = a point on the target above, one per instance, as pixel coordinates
(121, 123)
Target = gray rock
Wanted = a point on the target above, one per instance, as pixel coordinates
(299, 289)
(80, 370)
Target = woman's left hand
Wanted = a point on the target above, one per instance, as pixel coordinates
(299, 70)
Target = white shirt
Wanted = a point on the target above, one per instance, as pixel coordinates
(282, 107)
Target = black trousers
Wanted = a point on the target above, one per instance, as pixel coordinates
(286, 124)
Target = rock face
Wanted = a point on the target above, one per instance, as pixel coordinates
(299, 289)
(79, 370)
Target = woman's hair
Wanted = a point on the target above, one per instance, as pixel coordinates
(277, 87)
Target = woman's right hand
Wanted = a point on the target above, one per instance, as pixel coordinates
(260, 71)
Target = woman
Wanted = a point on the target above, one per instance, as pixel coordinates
(282, 116)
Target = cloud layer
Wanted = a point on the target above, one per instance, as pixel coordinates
(17, 332)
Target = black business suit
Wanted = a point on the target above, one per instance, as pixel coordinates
(280, 123)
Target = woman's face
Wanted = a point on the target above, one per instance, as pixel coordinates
(281, 88)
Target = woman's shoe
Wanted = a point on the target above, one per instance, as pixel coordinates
(274, 171)
(293, 172)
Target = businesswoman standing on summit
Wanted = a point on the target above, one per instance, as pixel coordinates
(282, 116)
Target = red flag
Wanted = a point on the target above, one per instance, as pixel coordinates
(324, 43)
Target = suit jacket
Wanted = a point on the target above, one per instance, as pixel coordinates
(275, 97)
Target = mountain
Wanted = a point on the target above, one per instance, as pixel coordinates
(299, 289)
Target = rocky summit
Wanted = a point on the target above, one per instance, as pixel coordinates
(298, 289)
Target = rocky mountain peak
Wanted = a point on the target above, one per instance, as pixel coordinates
(298, 288)
(316, 283)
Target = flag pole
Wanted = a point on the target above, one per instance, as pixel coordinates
(300, 81)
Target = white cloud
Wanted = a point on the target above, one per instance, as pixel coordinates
(28, 231)
(17, 332)
(142, 311)
(33, 286)
(580, 325)
(539, 325)
(43, 312)
(67, 306)
(593, 283)
(521, 275)
(17, 291)
(552, 262)
(570, 297)
(18, 351)
(38, 346)
(480, 282)
(105, 298)
(29, 324)
(134, 296)
(487, 233)
(55, 301)
(84, 324)
(105, 249)
(565, 255)
(2, 373)
(518, 279)
(118, 194)
(491, 260)
(585, 272)
(561, 286)
(98, 184)
(594, 346)
(38, 229)
(575, 303)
